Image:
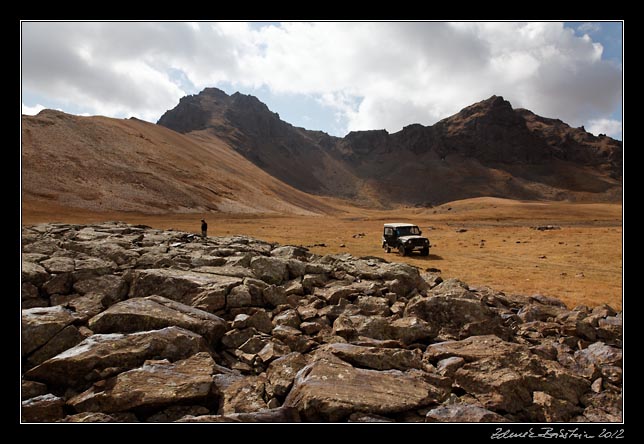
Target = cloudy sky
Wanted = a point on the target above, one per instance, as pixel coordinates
(333, 76)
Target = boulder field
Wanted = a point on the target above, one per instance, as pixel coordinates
(125, 323)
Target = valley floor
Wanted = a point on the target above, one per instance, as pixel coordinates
(484, 242)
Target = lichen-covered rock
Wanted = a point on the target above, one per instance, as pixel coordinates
(155, 384)
(462, 413)
(103, 355)
(156, 312)
(330, 391)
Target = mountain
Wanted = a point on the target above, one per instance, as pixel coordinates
(487, 149)
(105, 164)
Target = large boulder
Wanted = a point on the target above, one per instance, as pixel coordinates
(103, 355)
(271, 270)
(456, 313)
(330, 391)
(41, 324)
(156, 312)
(202, 290)
(152, 386)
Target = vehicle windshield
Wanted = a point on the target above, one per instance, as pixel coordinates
(408, 231)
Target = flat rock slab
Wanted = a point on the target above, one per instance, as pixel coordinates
(44, 408)
(280, 414)
(462, 413)
(331, 391)
(202, 290)
(103, 355)
(376, 358)
(154, 385)
(40, 324)
(156, 312)
(474, 348)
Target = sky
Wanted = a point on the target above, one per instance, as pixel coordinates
(331, 76)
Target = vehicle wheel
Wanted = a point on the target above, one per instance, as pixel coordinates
(402, 250)
(424, 252)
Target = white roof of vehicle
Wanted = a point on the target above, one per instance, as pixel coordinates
(398, 225)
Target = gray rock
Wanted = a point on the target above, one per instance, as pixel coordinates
(270, 269)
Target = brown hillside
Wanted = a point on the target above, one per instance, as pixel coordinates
(105, 164)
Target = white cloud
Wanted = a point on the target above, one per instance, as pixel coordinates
(32, 110)
(373, 75)
(610, 127)
(589, 27)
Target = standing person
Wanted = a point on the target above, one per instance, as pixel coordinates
(204, 229)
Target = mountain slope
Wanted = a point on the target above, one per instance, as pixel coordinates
(487, 149)
(100, 163)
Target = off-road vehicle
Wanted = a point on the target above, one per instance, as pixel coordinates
(405, 238)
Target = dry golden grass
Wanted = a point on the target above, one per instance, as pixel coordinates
(580, 264)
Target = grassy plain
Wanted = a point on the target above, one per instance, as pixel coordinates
(580, 263)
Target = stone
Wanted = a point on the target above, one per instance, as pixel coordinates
(374, 357)
(244, 296)
(372, 305)
(235, 338)
(312, 327)
(274, 295)
(65, 339)
(277, 415)
(474, 348)
(39, 325)
(331, 391)
(201, 290)
(43, 408)
(364, 417)
(291, 252)
(157, 312)
(281, 373)
(239, 394)
(261, 321)
(103, 355)
(58, 284)
(97, 417)
(33, 273)
(272, 351)
(448, 366)
(114, 288)
(454, 314)
(31, 389)
(270, 269)
(289, 318)
(546, 408)
(154, 385)
(462, 413)
(57, 265)
(312, 281)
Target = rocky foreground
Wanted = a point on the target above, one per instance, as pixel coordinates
(125, 323)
